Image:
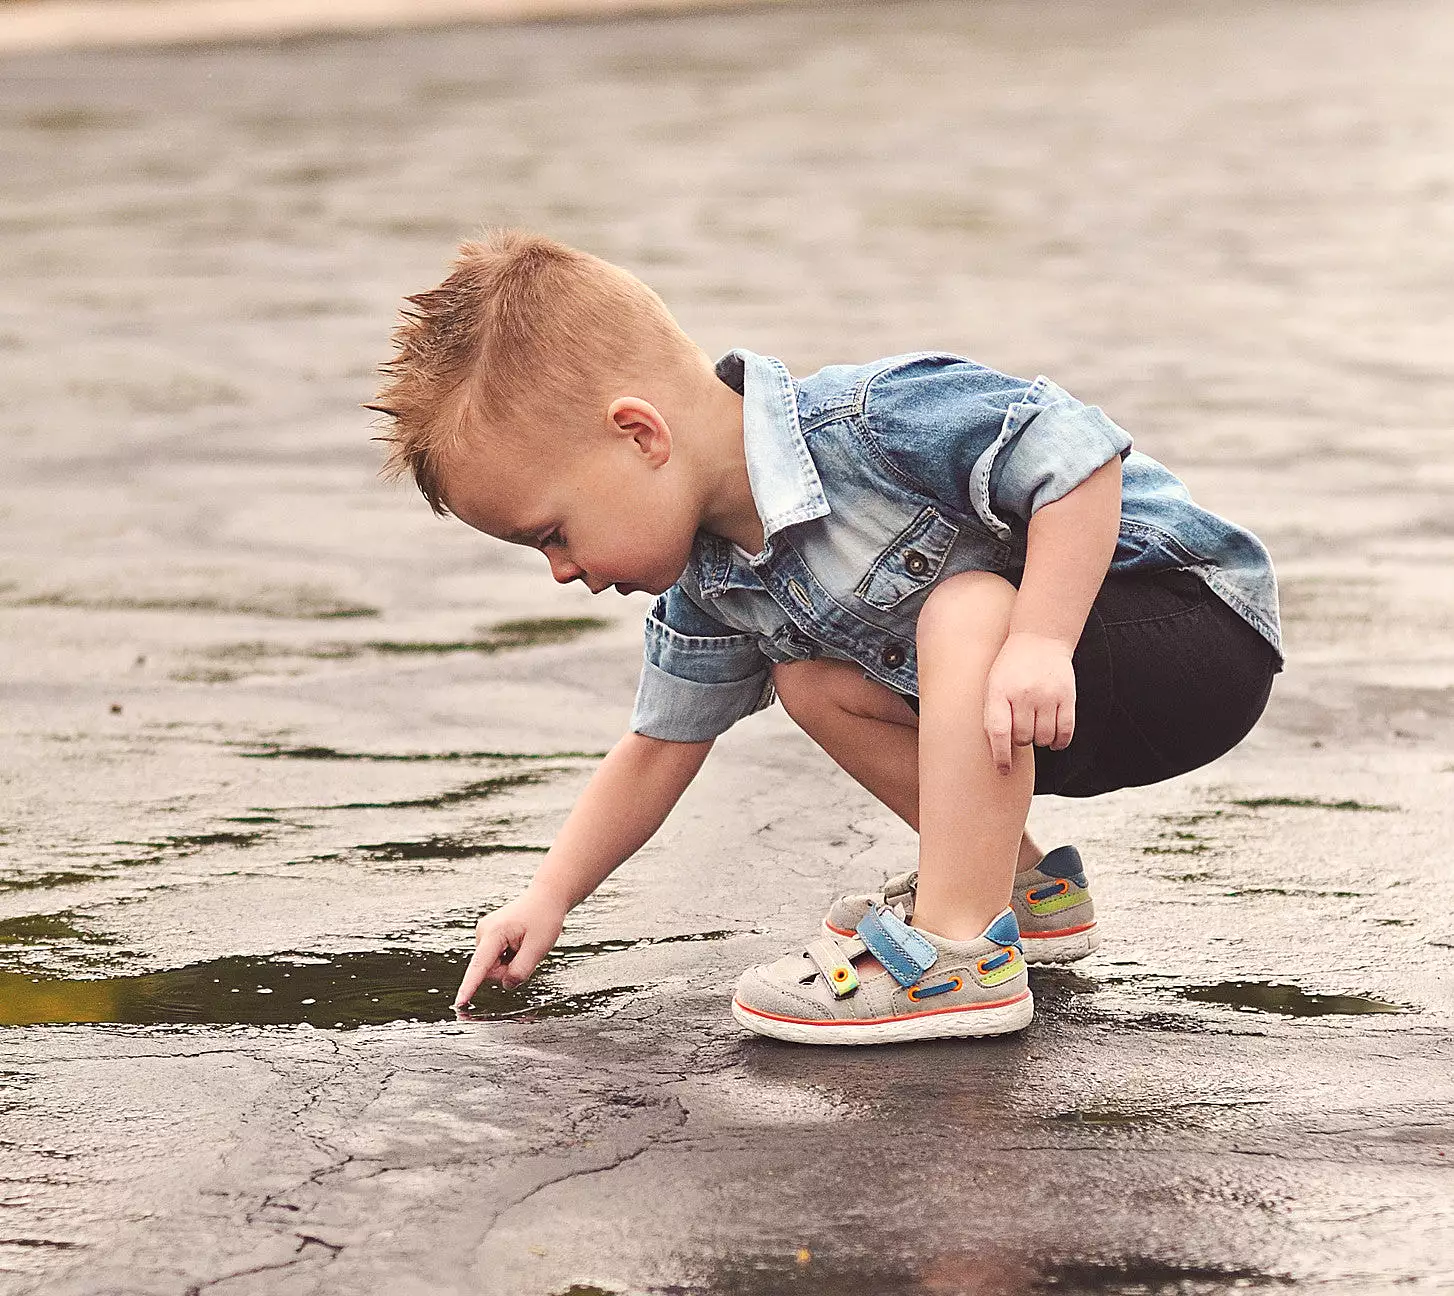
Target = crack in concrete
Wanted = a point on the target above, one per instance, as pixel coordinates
(305, 1241)
(585, 1172)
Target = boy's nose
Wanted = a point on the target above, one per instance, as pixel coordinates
(564, 570)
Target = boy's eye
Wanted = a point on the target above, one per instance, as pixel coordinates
(554, 537)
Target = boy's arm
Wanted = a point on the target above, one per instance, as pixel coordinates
(1030, 694)
(626, 801)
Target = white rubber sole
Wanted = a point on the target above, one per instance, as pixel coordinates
(1040, 949)
(950, 1023)
(1060, 949)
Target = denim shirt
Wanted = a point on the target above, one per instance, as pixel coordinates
(875, 482)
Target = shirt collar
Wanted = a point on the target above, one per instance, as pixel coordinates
(785, 485)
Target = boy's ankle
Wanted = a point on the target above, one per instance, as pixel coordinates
(966, 925)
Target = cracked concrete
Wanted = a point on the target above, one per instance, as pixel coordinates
(1227, 225)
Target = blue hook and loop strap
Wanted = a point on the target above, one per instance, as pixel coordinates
(905, 952)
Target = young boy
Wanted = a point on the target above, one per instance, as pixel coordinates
(965, 587)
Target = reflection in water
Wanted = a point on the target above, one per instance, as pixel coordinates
(365, 988)
(332, 990)
(993, 1271)
(1290, 1000)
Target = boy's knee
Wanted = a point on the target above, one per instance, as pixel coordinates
(967, 601)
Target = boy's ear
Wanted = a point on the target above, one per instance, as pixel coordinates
(630, 416)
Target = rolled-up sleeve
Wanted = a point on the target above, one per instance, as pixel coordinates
(1049, 444)
(698, 677)
(983, 442)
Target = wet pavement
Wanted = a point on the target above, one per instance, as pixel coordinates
(271, 735)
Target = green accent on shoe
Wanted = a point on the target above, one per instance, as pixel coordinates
(1066, 900)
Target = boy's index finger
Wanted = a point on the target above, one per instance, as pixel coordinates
(487, 959)
(998, 721)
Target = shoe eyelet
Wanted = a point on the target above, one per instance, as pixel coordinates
(1037, 895)
(993, 962)
(916, 993)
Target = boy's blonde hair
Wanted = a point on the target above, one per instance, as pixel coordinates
(523, 330)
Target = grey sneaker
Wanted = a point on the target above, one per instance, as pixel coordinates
(926, 988)
(1052, 905)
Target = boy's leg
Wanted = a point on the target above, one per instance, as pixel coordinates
(875, 736)
(869, 731)
(971, 817)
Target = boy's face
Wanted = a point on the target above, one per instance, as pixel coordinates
(609, 508)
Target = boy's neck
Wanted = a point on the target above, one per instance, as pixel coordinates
(724, 491)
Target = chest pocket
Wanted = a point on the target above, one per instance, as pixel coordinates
(911, 562)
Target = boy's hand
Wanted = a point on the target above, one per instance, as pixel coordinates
(1029, 697)
(510, 942)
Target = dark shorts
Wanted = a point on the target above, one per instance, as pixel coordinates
(1167, 678)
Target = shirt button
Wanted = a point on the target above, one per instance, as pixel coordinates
(915, 563)
(893, 656)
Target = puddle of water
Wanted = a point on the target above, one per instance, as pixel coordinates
(1147, 1276)
(67, 119)
(41, 929)
(190, 842)
(1190, 820)
(819, 1273)
(292, 605)
(1309, 803)
(537, 630)
(469, 792)
(501, 637)
(333, 754)
(159, 850)
(184, 844)
(1107, 1117)
(43, 881)
(1288, 1000)
(1297, 891)
(433, 848)
(430, 848)
(1167, 1113)
(340, 991)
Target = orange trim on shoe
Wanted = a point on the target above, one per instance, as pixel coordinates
(1064, 931)
(837, 931)
(878, 1021)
